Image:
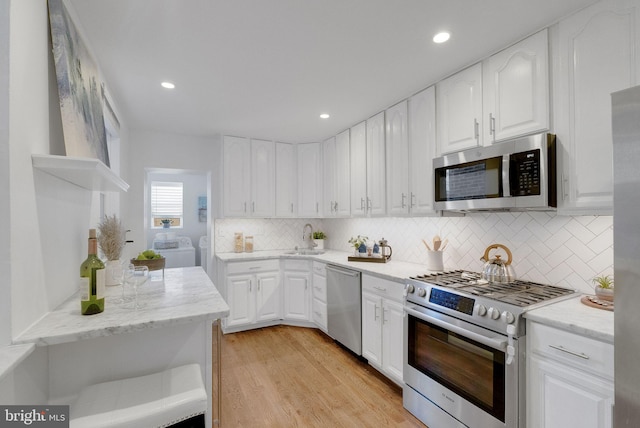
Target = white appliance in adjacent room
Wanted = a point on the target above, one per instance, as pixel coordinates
(178, 251)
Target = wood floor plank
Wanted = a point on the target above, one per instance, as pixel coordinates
(287, 376)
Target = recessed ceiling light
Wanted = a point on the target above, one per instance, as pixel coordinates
(324, 116)
(168, 85)
(441, 37)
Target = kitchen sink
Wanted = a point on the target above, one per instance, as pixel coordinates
(305, 252)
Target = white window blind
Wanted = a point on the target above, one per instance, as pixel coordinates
(166, 199)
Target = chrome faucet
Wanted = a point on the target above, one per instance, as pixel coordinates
(311, 243)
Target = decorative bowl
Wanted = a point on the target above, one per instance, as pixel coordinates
(152, 264)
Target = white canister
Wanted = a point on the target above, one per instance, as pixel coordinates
(434, 261)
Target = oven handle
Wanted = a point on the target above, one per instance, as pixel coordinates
(492, 342)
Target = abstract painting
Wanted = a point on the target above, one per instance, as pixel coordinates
(79, 88)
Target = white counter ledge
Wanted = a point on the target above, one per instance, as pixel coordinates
(573, 316)
(11, 356)
(185, 295)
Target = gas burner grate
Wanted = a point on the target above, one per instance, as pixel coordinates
(520, 293)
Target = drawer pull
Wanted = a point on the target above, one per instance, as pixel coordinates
(384, 290)
(563, 349)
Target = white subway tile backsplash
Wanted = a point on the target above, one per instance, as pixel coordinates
(547, 248)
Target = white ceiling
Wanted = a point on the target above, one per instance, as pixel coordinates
(268, 68)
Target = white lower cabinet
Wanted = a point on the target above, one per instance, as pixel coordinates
(252, 292)
(319, 301)
(382, 326)
(569, 379)
(297, 290)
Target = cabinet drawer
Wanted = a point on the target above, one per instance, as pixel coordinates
(319, 313)
(319, 288)
(296, 265)
(320, 268)
(253, 266)
(383, 287)
(578, 351)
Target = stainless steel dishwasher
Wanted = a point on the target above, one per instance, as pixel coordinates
(344, 303)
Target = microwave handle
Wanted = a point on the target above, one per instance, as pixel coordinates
(493, 342)
(506, 166)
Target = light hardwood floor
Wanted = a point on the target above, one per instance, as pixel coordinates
(298, 377)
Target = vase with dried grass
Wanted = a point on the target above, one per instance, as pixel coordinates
(111, 240)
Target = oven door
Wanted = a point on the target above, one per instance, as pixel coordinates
(462, 369)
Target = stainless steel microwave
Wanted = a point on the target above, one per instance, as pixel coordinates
(516, 175)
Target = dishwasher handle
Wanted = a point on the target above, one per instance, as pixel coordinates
(349, 272)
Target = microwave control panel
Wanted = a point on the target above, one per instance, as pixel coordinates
(524, 171)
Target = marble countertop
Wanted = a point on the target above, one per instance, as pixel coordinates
(11, 356)
(393, 270)
(185, 295)
(573, 316)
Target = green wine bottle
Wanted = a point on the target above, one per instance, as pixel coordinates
(92, 275)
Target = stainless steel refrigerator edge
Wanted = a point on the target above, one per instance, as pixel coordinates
(344, 307)
(626, 237)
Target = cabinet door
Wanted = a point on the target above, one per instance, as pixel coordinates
(267, 296)
(375, 170)
(559, 397)
(397, 160)
(342, 182)
(236, 177)
(371, 333)
(392, 339)
(358, 161)
(296, 295)
(598, 53)
(286, 187)
(459, 110)
(263, 187)
(240, 299)
(329, 171)
(309, 179)
(422, 150)
(516, 90)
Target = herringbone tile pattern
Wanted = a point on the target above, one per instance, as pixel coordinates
(547, 248)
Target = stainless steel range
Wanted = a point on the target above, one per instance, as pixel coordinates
(464, 351)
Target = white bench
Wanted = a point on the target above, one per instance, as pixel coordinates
(155, 400)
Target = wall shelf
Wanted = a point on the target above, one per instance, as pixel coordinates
(88, 173)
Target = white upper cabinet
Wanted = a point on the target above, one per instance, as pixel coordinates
(358, 161)
(337, 180)
(342, 182)
(263, 187)
(397, 145)
(249, 179)
(598, 52)
(515, 90)
(309, 180)
(286, 182)
(330, 179)
(237, 176)
(459, 106)
(375, 166)
(422, 150)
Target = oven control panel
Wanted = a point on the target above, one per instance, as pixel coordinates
(452, 301)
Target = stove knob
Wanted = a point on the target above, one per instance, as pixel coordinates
(422, 292)
(410, 288)
(494, 313)
(481, 310)
(508, 317)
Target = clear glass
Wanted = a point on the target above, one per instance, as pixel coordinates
(122, 276)
(136, 276)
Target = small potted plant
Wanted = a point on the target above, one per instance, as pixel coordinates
(604, 287)
(166, 223)
(319, 237)
(360, 244)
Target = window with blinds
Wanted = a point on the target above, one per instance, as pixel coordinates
(166, 203)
